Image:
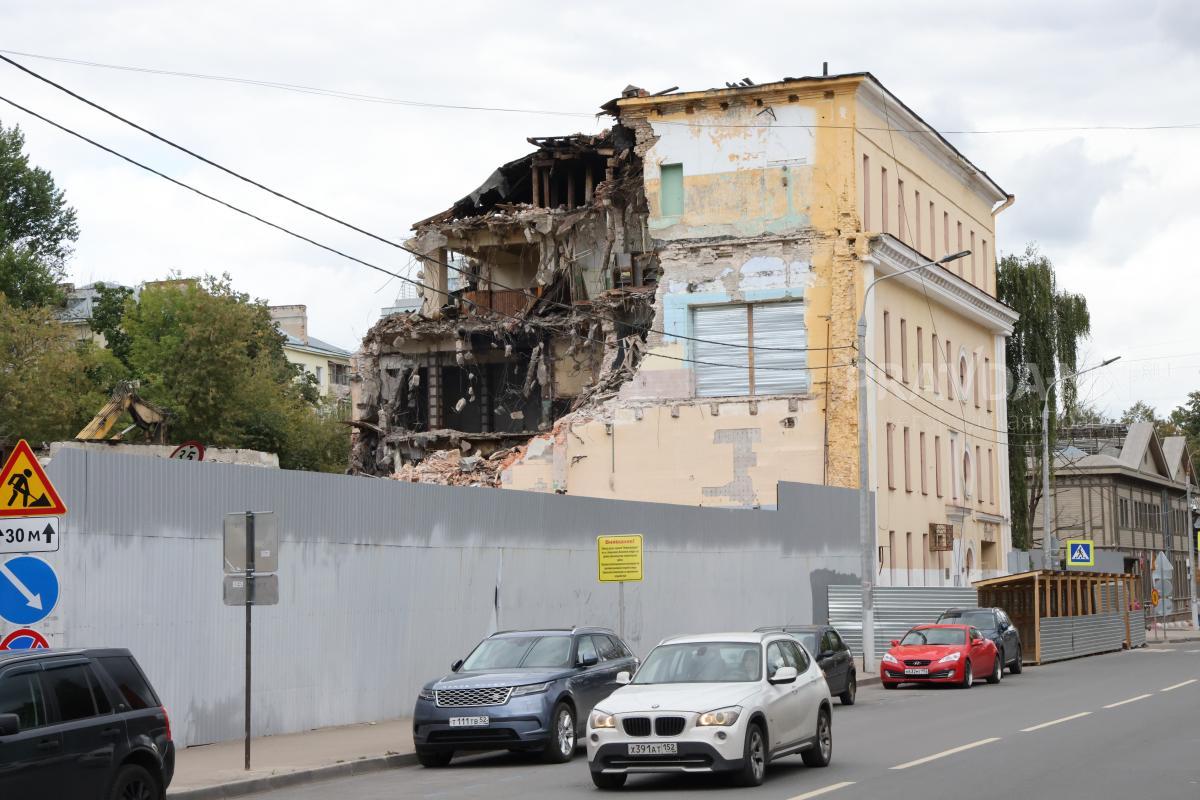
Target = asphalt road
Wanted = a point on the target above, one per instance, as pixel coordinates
(1123, 725)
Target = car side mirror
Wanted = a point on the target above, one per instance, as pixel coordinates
(623, 677)
(895, 642)
(456, 666)
(10, 724)
(588, 661)
(784, 675)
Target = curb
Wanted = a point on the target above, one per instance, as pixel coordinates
(287, 779)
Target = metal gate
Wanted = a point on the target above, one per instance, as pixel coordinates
(897, 608)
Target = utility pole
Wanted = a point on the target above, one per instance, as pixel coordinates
(1190, 540)
(866, 533)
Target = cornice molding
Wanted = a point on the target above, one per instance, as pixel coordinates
(889, 255)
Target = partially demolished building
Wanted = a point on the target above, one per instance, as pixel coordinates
(666, 311)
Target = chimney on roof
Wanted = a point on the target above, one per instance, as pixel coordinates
(292, 320)
(825, 68)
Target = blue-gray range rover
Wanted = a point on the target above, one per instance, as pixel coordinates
(521, 691)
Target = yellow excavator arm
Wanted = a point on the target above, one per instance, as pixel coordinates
(147, 416)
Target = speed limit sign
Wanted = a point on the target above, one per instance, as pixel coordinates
(188, 451)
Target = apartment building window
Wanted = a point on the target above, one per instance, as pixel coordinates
(953, 479)
(901, 222)
(887, 344)
(319, 371)
(936, 355)
(920, 358)
(917, 213)
(907, 462)
(945, 233)
(960, 246)
(991, 476)
(908, 559)
(892, 552)
(987, 371)
(671, 189)
(883, 206)
(978, 476)
(975, 377)
(924, 558)
(937, 464)
(987, 268)
(339, 374)
(904, 349)
(866, 193)
(973, 278)
(924, 470)
(745, 370)
(932, 236)
(949, 372)
(891, 475)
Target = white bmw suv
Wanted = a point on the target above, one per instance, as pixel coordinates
(723, 702)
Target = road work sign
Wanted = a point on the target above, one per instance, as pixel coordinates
(29, 535)
(24, 639)
(1081, 553)
(619, 557)
(24, 488)
(28, 590)
(1154, 597)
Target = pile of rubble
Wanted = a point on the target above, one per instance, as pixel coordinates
(452, 468)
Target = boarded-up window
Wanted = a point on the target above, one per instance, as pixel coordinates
(937, 464)
(936, 356)
(904, 349)
(671, 190)
(907, 461)
(987, 371)
(891, 470)
(883, 212)
(920, 358)
(924, 468)
(746, 368)
(901, 222)
(887, 344)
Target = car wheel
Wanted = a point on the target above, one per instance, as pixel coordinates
(968, 676)
(605, 780)
(135, 783)
(1016, 666)
(997, 670)
(822, 752)
(847, 697)
(561, 746)
(754, 757)
(434, 758)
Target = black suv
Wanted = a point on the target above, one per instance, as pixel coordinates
(832, 654)
(81, 724)
(994, 624)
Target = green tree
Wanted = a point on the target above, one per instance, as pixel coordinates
(107, 312)
(50, 384)
(37, 227)
(1044, 345)
(215, 359)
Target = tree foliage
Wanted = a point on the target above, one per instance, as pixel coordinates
(107, 311)
(37, 227)
(1044, 345)
(50, 384)
(214, 358)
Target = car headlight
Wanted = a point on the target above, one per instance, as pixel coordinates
(891, 659)
(602, 719)
(427, 694)
(950, 659)
(722, 717)
(533, 688)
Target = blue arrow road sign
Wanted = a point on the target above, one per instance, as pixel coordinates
(28, 590)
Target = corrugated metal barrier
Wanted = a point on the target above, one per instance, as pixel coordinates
(1137, 628)
(1070, 637)
(897, 608)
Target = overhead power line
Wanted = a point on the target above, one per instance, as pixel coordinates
(287, 198)
(355, 259)
(371, 98)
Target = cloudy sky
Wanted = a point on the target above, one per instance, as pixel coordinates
(1112, 207)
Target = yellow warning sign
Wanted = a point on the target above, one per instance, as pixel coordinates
(24, 488)
(619, 557)
(1154, 597)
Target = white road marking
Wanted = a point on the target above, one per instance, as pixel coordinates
(1158, 649)
(1178, 685)
(945, 753)
(1056, 722)
(1130, 700)
(1191, 651)
(826, 790)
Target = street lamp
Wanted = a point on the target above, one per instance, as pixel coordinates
(1047, 498)
(866, 536)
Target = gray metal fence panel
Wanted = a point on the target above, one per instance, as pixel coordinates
(897, 608)
(1057, 639)
(384, 583)
(1137, 628)
(1071, 637)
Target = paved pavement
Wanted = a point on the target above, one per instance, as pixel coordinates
(1121, 725)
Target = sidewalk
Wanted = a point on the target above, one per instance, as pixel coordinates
(1173, 635)
(216, 770)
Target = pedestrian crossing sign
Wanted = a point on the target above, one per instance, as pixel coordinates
(25, 491)
(1081, 553)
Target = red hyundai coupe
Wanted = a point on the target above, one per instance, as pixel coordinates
(952, 654)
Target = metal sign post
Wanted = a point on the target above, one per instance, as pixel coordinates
(251, 545)
(619, 559)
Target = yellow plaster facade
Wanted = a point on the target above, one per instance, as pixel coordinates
(783, 203)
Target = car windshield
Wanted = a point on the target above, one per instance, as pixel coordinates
(923, 636)
(520, 652)
(702, 662)
(809, 640)
(984, 620)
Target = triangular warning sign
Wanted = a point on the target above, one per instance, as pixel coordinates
(24, 488)
(1080, 553)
